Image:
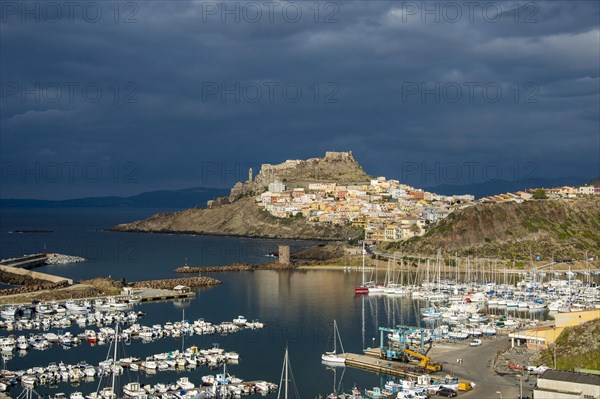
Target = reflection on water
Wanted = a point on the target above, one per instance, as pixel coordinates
(297, 307)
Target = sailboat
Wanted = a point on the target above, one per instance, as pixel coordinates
(108, 392)
(284, 381)
(363, 288)
(333, 356)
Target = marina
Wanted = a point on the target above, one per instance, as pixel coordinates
(451, 308)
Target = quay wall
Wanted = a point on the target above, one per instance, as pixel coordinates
(27, 261)
(170, 284)
(36, 275)
(234, 267)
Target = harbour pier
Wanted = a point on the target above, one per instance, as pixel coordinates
(20, 266)
(371, 361)
(153, 294)
(26, 261)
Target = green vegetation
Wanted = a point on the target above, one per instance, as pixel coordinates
(529, 226)
(540, 194)
(415, 229)
(576, 347)
(554, 227)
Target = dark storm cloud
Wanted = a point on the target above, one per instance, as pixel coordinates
(184, 87)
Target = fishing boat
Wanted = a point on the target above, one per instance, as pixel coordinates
(9, 312)
(185, 384)
(43, 308)
(134, 390)
(76, 307)
(377, 393)
(333, 356)
(431, 312)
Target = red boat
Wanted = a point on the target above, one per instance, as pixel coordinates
(361, 290)
(515, 367)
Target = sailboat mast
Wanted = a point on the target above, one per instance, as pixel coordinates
(114, 373)
(334, 336)
(363, 263)
(286, 372)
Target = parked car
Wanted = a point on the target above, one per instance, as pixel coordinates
(537, 370)
(475, 342)
(445, 391)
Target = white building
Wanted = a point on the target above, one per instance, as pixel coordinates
(554, 384)
(277, 187)
(586, 190)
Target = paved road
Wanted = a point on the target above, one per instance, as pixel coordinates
(476, 366)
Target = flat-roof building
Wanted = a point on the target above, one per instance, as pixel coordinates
(555, 384)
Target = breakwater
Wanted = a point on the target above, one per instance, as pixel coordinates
(60, 259)
(169, 284)
(234, 267)
(26, 282)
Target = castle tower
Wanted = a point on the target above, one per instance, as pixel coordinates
(284, 254)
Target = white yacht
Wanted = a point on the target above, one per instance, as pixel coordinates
(333, 356)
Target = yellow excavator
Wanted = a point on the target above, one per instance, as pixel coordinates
(426, 363)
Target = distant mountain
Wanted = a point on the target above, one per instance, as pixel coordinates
(485, 189)
(594, 182)
(183, 198)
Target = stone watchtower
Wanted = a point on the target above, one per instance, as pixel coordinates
(284, 254)
(250, 175)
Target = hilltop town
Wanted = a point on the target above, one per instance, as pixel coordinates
(332, 198)
(386, 209)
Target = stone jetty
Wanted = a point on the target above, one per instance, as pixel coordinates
(234, 267)
(169, 284)
(26, 283)
(60, 259)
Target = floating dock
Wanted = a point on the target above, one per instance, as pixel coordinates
(371, 362)
(151, 295)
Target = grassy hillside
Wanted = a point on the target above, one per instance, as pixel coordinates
(576, 347)
(547, 227)
(594, 182)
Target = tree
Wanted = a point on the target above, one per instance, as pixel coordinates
(539, 194)
(415, 229)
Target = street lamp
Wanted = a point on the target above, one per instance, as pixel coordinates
(498, 392)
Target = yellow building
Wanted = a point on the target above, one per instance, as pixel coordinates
(540, 338)
(569, 319)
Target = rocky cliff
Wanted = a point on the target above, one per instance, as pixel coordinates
(334, 167)
(559, 228)
(241, 218)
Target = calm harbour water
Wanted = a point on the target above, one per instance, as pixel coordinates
(297, 307)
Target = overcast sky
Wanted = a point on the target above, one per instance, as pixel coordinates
(103, 98)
